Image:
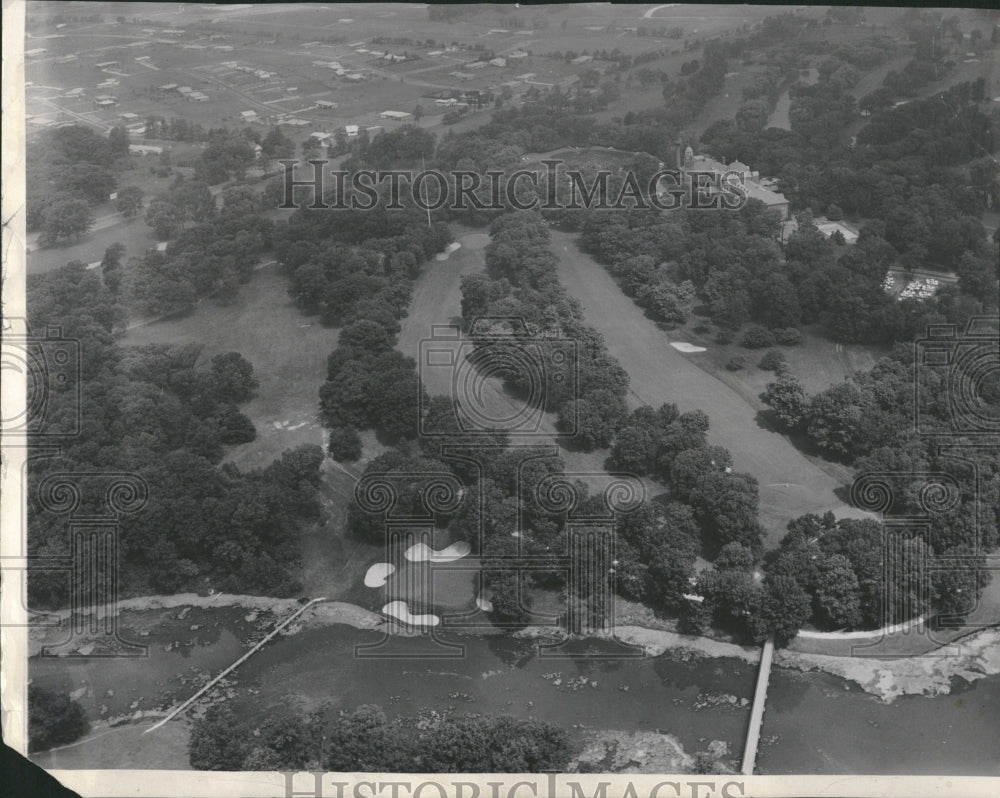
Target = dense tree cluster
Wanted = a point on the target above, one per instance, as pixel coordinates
(730, 259)
(228, 155)
(213, 250)
(871, 421)
(902, 175)
(69, 170)
(521, 286)
(164, 414)
(367, 740)
(53, 719)
(355, 269)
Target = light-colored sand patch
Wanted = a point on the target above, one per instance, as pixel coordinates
(970, 659)
(377, 574)
(874, 634)
(334, 612)
(655, 641)
(399, 610)
(452, 247)
(681, 346)
(421, 552)
(484, 604)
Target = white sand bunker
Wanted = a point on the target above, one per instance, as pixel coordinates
(484, 604)
(421, 552)
(447, 251)
(680, 346)
(399, 610)
(378, 574)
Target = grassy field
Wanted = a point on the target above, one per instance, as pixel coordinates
(124, 747)
(790, 483)
(292, 41)
(288, 351)
(110, 229)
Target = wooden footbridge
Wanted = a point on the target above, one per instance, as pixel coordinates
(757, 713)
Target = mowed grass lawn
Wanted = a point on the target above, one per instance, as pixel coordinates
(790, 483)
(817, 363)
(124, 747)
(133, 233)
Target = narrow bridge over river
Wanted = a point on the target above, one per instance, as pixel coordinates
(757, 713)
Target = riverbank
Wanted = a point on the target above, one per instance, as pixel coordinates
(973, 658)
(970, 659)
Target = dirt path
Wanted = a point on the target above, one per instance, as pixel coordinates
(790, 485)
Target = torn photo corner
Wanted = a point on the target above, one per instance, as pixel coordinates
(489, 401)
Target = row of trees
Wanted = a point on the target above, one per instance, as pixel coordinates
(355, 269)
(707, 507)
(367, 740)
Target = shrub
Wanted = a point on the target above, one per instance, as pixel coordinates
(773, 360)
(345, 444)
(703, 328)
(736, 363)
(788, 336)
(757, 337)
(724, 337)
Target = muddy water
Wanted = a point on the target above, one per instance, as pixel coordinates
(814, 723)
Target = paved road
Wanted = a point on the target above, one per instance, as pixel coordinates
(790, 484)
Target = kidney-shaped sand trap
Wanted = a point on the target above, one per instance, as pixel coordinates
(399, 610)
(378, 573)
(421, 552)
(448, 250)
(680, 346)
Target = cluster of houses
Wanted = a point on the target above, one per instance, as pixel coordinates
(186, 92)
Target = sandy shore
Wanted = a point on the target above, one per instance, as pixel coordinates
(973, 658)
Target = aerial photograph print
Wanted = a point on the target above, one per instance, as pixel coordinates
(576, 400)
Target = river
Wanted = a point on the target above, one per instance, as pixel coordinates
(814, 722)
